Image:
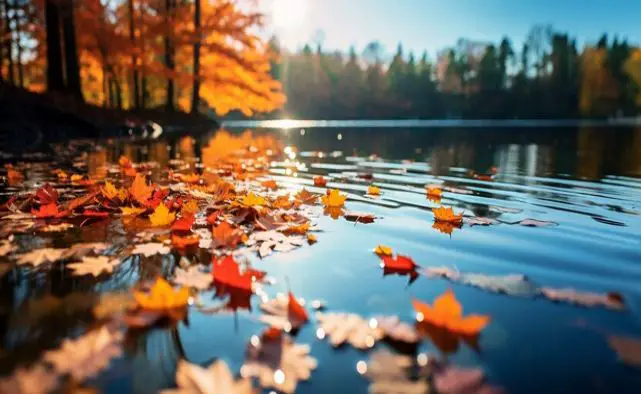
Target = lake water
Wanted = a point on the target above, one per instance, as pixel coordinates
(580, 186)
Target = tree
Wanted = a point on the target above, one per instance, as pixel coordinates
(72, 66)
(134, 55)
(55, 78)
(195, 98)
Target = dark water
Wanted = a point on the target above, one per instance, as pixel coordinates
(585, 180)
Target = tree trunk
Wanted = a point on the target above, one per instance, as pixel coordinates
(135, 101)
(8, 41)
(195, 93)
(72, 66)
(55, 78)
(118, 92)
(1, 43)
(16, 24)
(105, 87)
(169, 54)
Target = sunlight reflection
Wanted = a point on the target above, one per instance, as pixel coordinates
(361, 367)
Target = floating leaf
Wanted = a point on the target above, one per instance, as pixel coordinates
(279, 364)
(183, 224)
(47, 194)
(162, 296)
(333, 198)
(610, 300)
(227, 272)
(268, 240)
(132, 211)
(446, 214)
(253, 200)
(434, 191)
(395, 329)
(305, 197)
(536, 223)
(320, 181)
(383, 250)
(46, 211)
(284, 312)
(628, 349)
(448, 313)
(269, 184)
(350, 328)
(226, 236)
(94, 266)
(193, 277)
(373, 190)
(360, 217)
(150, 249)
(139, 190)
(193, 379)
(41, 256)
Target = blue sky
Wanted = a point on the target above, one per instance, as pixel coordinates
(434, 24)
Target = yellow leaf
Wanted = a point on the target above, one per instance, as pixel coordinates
(139, 189)
(190, 208)
(434, 191)
(373, 190)
(162, 296)
(252, 200)
(383, 250)
(311, 239)
(132, 211)
(76, 178)
(161, 216)
(109, 191)
(446, 214)
(333, 198)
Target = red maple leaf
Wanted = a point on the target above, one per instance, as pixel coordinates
(47, 194)
(295, 310)
(183, 224)
(46, 211)
(227, 272)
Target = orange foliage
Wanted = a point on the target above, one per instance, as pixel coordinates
(447, 312)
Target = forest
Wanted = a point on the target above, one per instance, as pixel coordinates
(209, 56)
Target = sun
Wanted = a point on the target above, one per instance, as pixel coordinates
(289, 14)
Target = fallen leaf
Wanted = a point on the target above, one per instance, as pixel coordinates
(268, 240)
(253, 200)
(82, 249)
(536, 223)
(161, 216)
(480, 221)
(150, 249)
(94, 266)
(41, 256)
(373, 190)
(132, 211)
(190, 208)
(396, 373)
(226, 236)
(284, 312)
(512, 284)
(434, 191)
(447, 312)
(217, 379)
(185, 241)
(401, 265)
(311, 239)
(139, 190)
(46, 211)
(333, 198)
(360, 217)
(305, 197)
(609, 300)
(227, 272)
(162, 297)
(395, 329)
(56, 228)
(183, 224)
(347, 327)
(269, 184)
(47, 194)
(383, 250)
(193, 277)
(445, 227)
(87, 355)
(319, 181)
(446, 214)
(300, 229)
(278, 364)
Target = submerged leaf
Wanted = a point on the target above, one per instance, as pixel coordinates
(350, 328)
(194, 379)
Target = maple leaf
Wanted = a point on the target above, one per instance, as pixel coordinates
(227, 272)
(448, 313)
(94, 266)
(226, 236)
(194, 379)
(401, 265)
(282, 202)
(162, 296)
(360, 217)
(111, 192)
(150, 249)
(333, 199)
(320, 181)
(192, 277)
(253, 200)
(139, 189)
(348, 327)
(395, 329)
(275, 240)
(445, 227)
(183, 224)
(161, 216)
(87, 355)
(434, 191)
(301, 229)
(446, 214)
(311, 239)
(279, 364)
(269, 184)
(190, 208)
(185, 241)
(627, 349)
(373, 191)
(124, 161)
(14, 177)
(284, 312)
(46, 194)
(306, 197)
(383, 250)
(41, 256)
(84, 248)
(49, 210)
(132, 211)
(608, 300)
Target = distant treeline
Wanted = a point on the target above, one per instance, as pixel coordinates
(548, 78)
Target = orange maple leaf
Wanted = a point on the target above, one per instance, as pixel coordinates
(295, 310)
(139, 189)
(227, 273)
(305, 197)
(183, 224)
(333, 198)
(433, 191)
(269, 184)
(182, 242)
(224, 235)
(447, 313)
(446, 214)
(46, 211)
(161, 216)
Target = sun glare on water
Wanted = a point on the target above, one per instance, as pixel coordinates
(288, 14)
